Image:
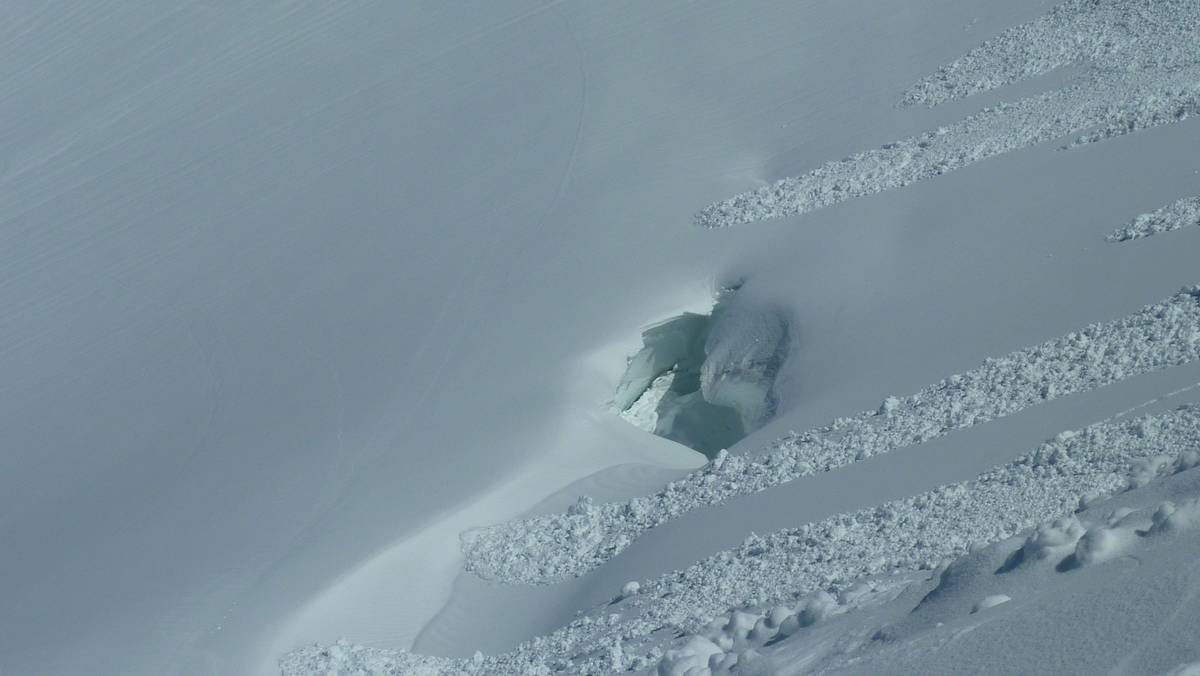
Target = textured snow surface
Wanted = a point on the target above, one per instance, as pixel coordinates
(553, 547)
(1142, 70)
(882, 584)
(785, 568)
(293, 294)
(1180, 214)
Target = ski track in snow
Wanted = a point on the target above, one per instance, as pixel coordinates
(554, 547)
(1142, 70)
(794, 573)
(1177, 215)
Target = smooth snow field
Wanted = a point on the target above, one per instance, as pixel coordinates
(683, 337)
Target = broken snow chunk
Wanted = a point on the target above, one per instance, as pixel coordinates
(815, 608)
(692, 658)
(1146, 470)
(762, 632)
(1099, 544)
(583, 506)
(777, 615)
(1186, 461)
(1057, 538)
(741, 624)
(889, 405)
(1170, 517)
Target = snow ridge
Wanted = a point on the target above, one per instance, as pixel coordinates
(1174, 216)
(554, 547)
(771, 573)
(1143, 70)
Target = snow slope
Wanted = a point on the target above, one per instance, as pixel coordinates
(294, 292)
(1111, 589)
(1140, 71)
(548, 548)
(830, 556)
(551, 548)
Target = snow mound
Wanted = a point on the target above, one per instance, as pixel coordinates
(732, 641)
(1143, 70)
(1099, 543)
(1054, 539)
(692, 657)
(1118, 611)
(554, 547)
(1174, 216)
(1070, 543)
(743, 354)
(1169, 517)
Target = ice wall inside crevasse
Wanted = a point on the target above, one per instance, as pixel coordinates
(706, 381)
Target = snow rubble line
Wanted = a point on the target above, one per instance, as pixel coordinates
(1143, 70)
(1098, 532)
(772, 585)
(731, 643)
(1175, 216)
(553, 547)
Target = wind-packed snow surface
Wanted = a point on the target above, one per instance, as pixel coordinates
(314, 315)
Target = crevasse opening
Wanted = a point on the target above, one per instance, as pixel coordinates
(706, 381)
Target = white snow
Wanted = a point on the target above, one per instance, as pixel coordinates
(909, 535)
(990, 602)
(1179, 214)
(1141, 72)
(549, 548)
(295, 294)
(643, 413)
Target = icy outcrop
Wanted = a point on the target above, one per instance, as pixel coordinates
(1055, 539)
(706, 381)
(745, 349)
(675, 343)
(697, 423)
(643, 413)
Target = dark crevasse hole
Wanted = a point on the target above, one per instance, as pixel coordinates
(706, 381)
